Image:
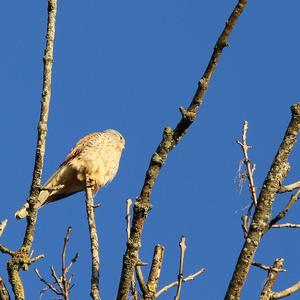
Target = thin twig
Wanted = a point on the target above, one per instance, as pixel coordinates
(2, 226)
(62, 282)
(169, 140)
(267, 268)
(182, 247)
(289, 188)
(4, 249)
(282, 214)
(266, 293)
(175, 283)
(286, 225)
(95, 291)
(247, 163)
(49, 285)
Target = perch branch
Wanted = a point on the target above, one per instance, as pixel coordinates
(175, 283)
(95, 290)
(259, 224)
(170, 139)
(247, 163)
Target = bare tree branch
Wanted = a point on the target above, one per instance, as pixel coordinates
(49, 285)
(266, 268)
(2, 226)
(260, 222)
(133, 289)
(247, 163)
(95, 290)
(4, 294)
(20, 259)
(182, 246)
(175, 283)
(266, 293)
(154, 273)
(282, 214)
(287, 292)
(286, 225)
(170, 139)
(63, 283)
(289, 188)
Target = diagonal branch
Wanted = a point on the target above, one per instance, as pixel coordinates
(175, 283)
(282, 214)
(90, 207)
(260, 222)
(2, 226)
(170, 139)
(289, 187)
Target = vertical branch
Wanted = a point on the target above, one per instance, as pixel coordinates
(182, 246)
(247, 163)
(267, 291)
(170, 139)
(21, 257)
(260, 222)
(95, 291)
(154, 273)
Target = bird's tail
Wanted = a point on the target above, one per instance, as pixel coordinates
(23, 212)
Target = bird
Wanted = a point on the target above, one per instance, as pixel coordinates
(96, 155)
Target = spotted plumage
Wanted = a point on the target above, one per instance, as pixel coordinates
(96, 155)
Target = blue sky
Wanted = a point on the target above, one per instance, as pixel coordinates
(129, 65)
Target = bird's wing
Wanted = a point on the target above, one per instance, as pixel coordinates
(79, 147)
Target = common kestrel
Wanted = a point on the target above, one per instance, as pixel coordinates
(97, 156)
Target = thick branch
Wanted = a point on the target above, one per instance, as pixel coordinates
(4, 295)
(170, 139)
(260, 222)
(95, 291)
